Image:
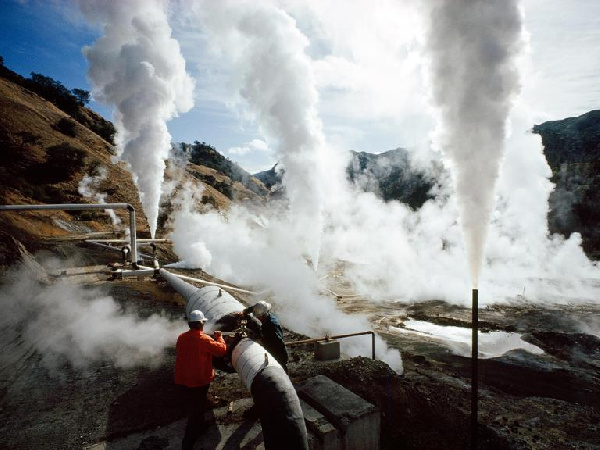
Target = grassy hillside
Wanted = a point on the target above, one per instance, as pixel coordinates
(42, 160)
(45, 154)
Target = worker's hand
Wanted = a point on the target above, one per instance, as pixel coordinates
(217, 334)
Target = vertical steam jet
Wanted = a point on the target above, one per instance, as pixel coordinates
(267, 51)
(473, 45)
(137, 67)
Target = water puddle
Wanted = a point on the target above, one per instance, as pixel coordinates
(491, 345)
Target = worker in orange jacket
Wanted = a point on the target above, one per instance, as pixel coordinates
(194, 372)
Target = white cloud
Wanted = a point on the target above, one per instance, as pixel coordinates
(562, 79)
(255, 145)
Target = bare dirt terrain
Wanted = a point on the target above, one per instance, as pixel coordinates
(545, 401)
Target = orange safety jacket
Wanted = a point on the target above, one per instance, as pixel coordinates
(193, 364)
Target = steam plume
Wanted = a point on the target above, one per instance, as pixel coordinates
(137, 67)
(267, 52)
(65, 322)
(89, 187)
(473, 45)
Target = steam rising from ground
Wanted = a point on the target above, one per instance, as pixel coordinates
(274, 76)
(137, 67)
(474, 44)
(89, 187)
(66, 323)
(236, 247)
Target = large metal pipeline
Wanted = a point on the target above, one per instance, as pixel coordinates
(274, 396)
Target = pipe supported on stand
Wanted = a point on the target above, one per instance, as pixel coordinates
(280, 413)
(338, 336)
(83, 207)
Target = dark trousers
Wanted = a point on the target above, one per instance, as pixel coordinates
(194, 402)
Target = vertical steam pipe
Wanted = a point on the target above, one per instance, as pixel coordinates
(132, 234)
(278, 405)
(474, 366)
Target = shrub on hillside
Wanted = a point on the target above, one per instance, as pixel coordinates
(82, 96)
(105, 129)
(68, 101)
(67, 127)
(53, 91)
(63, 161)
(28, 138)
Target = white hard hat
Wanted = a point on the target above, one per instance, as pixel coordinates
(261, 308)
(197, 316)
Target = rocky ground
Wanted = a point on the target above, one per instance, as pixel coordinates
(545, 401)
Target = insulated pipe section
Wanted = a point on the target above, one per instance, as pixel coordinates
(125, 241)
(213, 301)
(83, 207)
(281, 416)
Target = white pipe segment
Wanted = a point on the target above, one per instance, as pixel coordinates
(249, 358)
(211, 283)
(125, 241)
(213, 301)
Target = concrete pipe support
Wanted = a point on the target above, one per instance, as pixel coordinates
(279, 409)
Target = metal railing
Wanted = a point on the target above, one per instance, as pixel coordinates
(338, 336)
(83, 207)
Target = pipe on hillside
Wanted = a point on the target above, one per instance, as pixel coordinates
(211, 283)
(83, 207)
(125, 241)
(281, 416)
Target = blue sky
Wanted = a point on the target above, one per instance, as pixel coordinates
(377, 104)
(39, 38)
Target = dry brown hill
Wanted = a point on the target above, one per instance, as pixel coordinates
(40, 164)
(45, 154)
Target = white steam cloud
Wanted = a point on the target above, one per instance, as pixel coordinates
(67, 323)
(474, 44)
(237, 248)
(89, 187)
(274, 76)
(137, 67)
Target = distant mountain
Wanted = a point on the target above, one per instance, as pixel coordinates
(203, 154)
(271, 177)
(572, 149)
(573, 140)
(389, 175)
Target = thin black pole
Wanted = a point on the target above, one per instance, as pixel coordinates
(474, 367)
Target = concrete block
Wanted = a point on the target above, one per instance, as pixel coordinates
(357, 420)
(322, 435)
(327, 350)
